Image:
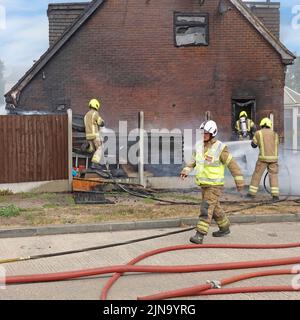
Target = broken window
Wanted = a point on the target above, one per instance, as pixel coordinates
(191, 29)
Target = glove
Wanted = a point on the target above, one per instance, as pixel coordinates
(102, 124)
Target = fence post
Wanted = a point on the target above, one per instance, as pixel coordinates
(141, 148)
(70, 149)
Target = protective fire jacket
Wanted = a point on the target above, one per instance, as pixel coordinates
(92, 122)
(209, 163)
(267, 140)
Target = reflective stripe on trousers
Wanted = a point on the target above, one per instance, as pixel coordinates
(96, 145)
(260, 168)
(211, 209)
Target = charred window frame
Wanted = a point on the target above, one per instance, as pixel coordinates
(191, 29)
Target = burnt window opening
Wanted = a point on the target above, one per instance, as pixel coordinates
(61, 105)
(191, 29)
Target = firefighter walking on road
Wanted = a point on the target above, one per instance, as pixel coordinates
(93, 122)
(267, 140)
(209, 161)
(245, 127)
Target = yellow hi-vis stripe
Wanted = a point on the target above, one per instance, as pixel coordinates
(239, 178)
(223, 223)
(262, 146)
(96, 159)
(253, 189)
(275, 191)
(203, 227)
(276, 145)
(228, 160)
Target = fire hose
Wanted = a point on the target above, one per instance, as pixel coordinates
(130, 267)
(115, 277)
(215, 287)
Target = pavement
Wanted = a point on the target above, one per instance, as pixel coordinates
(138, 225)
(130, 286)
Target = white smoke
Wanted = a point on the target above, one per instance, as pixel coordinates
(289, 170)
(2, 110)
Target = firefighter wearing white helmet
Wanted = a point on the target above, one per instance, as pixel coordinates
(268, 142)
(244, 127)
(209, 161)
(93, 122)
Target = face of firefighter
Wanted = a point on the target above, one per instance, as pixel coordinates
(207, 136)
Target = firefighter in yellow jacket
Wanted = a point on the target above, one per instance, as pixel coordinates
(93, 122)
(209, 161)
(267, 140)
(245, 127)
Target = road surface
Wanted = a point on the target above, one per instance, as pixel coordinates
(130, 286)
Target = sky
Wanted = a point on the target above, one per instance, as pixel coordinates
(24, 32)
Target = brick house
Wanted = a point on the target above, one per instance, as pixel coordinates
(175, 60)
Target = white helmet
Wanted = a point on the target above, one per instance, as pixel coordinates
(210, 126)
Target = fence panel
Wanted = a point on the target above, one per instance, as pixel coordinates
(33, 148)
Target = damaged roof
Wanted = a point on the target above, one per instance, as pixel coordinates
(286, 55)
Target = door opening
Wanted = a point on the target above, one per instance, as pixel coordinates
(239, 105)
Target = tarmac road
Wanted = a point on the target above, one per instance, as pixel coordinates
(131, 286)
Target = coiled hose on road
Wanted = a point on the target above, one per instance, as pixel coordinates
(115, 277)
(131, 267)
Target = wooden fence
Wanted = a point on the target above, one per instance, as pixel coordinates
(33, 148)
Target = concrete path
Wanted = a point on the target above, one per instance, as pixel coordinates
(132, 285)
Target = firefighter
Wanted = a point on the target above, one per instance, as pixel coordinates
(245, 127)
(93, 122)
(267, 140)
(209, 161)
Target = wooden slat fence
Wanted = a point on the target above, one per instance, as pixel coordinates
(33, 148)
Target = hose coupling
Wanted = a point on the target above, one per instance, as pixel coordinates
(25, 258)
(215, 284)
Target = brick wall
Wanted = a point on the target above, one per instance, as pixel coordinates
(125, 55)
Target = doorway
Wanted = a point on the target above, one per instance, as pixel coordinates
(238, 105)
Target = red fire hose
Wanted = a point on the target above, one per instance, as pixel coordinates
(247, 290)
(204, 289)
(115, 277)
(167, 269)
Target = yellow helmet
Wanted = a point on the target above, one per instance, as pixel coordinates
(95, 104)
(243, 114)
(266, 122)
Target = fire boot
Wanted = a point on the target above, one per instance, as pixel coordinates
(221, 232)
(275, 198)
(197, 238)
